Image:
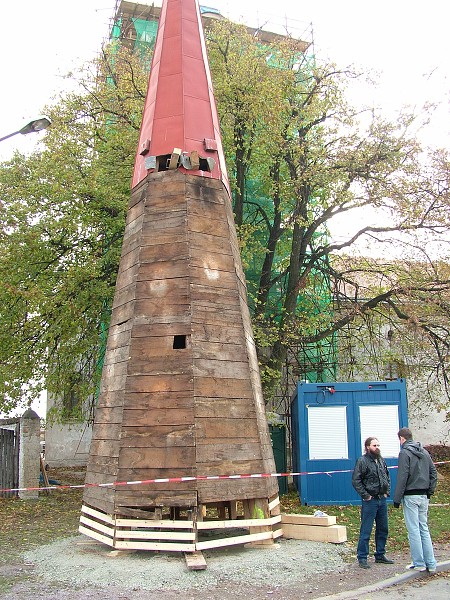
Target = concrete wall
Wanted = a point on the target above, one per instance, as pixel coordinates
(67, 445)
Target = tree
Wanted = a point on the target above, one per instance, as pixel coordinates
(298, 155)
(62, 221)
(308, 157)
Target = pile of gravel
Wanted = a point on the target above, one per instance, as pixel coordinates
(80, 562)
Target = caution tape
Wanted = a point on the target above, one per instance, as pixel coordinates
(188, 478)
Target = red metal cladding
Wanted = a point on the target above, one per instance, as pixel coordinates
(180, 110)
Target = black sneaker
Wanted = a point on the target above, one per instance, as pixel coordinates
(364, 564)
(384, 560)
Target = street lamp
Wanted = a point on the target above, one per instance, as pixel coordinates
(38, 124)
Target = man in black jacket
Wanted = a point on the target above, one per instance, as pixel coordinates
(416, 482)
(372, 482)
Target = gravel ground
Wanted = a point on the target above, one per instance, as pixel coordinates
(79, 568)
(76, 561)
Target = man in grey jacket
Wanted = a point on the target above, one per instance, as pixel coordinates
(416, 482)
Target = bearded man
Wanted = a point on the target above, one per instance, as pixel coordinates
(372, 482)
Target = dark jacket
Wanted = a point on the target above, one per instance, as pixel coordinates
(371, 478)
(417, 474)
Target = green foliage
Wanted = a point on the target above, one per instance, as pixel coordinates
(61, 232)
(298, 155)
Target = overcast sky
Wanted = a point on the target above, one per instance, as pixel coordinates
(408, 43)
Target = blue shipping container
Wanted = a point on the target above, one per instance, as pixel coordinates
(330, 422)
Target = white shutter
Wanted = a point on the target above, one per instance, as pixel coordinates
(327, 431)
(380, 421)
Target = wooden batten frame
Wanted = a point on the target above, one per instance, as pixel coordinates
(177, 535)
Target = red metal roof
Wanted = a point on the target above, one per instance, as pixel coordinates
(180, 110)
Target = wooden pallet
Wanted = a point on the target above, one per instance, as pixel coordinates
(178, 535)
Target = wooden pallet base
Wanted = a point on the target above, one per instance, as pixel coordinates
(178, 535)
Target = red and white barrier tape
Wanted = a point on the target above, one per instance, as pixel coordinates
(187, 478)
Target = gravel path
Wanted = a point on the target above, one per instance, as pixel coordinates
(80, 562)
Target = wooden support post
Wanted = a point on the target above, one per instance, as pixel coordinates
(44, 476)
(258, 508)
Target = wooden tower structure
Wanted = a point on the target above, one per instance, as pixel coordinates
(181, 399)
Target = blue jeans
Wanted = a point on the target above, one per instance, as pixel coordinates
(415, 511)
(373, 511)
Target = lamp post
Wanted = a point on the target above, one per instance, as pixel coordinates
(38, 124)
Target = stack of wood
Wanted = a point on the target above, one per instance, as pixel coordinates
(309, 527)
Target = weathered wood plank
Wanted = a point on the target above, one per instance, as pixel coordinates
(167, 400)
(107, 415)
(176, 290)
(200, 188)
(160, 383)
(293, 519)
(218, 350)
(213, 453)
(231, 408)
(200, 207)
(232, 489)
(161, 416)
(225, 428)
(203, 313)
(104, 447)
(157, 458)
(204, 258)
(336, 534)
(148, 306)
(213, 277)
(159, 436)
(158, 220)
(156, 330)
(179, 363)
(151, 498)
(153, 347)
(126, 277)
(214, 387)
(111, 399)
(140, 491)
(225, 369)
(225, 297)
(129, 259)
(203, 224)
(209, 240)
(160, 236)
(117, 355)
(110, 431)
(176, 268)
(163, 252)
(112, 384)
(211, 333)
(104, 464)
(195, 561)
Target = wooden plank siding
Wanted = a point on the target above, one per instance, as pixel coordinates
(180, 392)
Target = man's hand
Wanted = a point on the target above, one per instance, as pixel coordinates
(367, 499)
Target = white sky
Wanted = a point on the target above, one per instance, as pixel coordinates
(406, 42)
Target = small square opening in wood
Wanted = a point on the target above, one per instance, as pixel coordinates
(179, 342)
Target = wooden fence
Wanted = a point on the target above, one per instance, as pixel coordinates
(9, 452)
